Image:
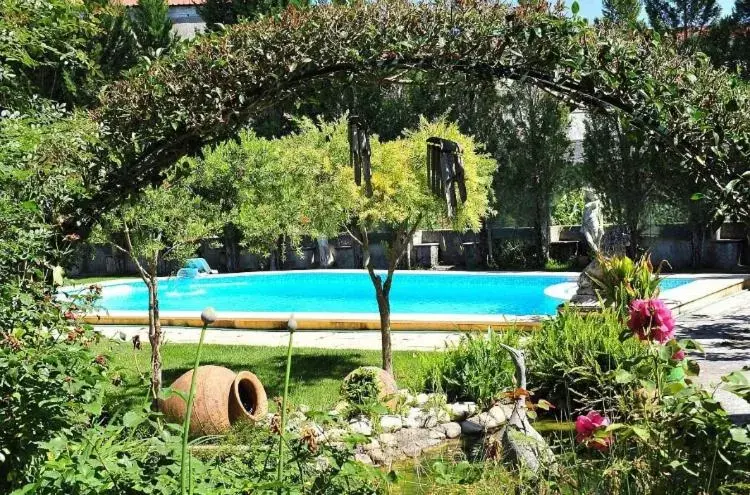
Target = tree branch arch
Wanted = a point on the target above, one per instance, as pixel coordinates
(213, 87)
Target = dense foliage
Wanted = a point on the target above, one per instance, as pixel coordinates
(477, 369)
(277, 191)
(572, 357)
(49, 379)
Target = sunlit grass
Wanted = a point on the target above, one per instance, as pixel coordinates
(316, 373)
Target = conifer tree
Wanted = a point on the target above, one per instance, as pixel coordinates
(153, 27)
(621, 11)
(678, 15)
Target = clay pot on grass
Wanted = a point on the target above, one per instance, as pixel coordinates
(222, 398)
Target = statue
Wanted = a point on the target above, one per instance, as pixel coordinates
(592, 228)
(592, 225)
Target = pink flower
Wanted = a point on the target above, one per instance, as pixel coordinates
(588, 425)
(651, 319)
(678, 355)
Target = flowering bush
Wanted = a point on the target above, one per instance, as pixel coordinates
(651, 319)
(587, 428)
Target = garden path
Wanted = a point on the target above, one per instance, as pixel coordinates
(723, 330)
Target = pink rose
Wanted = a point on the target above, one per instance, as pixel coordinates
(651, 319)
(589, 424)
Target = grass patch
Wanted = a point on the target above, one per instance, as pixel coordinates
(316, 373)
(96, 280)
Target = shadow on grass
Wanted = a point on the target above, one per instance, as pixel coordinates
(310, 371)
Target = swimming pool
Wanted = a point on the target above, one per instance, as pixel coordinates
(351, 291)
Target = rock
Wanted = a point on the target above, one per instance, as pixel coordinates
(422, 399)
(304, 409)
(390, 423)
(361, 426)
(412, 450)
(406, 397)
(378, 456)
(462, 410)
(437, 433)
(451, 430)
(414, 419)
(363, 458)
(374, 444)
(479, 424)
(335, 434)
(388, 439)
(498, 414)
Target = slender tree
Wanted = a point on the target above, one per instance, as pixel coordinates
(401, 202)
(153, 27)
(622, 11)
(534, 152)
(627, 171)
(164, 223)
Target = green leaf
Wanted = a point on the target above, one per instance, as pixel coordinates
(740, 435)
(131, 419)
(575, 8)
(641, 432)
(622, 376)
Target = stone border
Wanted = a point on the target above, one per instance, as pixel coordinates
(706, 288)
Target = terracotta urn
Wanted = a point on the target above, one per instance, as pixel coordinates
(386, 384)
(222, 398)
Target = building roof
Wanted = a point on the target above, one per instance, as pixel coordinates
(171, 3)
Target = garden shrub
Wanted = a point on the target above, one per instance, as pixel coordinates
(477, 369)
(620, 280)
(361, 386)
(515, 255)
(572, 360)
(49, 380)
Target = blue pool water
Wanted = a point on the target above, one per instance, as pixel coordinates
(349, 292)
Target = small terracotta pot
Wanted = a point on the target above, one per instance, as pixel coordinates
(386, 384)
(222, 397)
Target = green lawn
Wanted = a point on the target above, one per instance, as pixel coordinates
(316, 373)
(94, 280)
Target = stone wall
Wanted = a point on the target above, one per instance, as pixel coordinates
(723, 250)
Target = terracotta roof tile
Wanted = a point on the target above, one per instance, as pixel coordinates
(172, 3)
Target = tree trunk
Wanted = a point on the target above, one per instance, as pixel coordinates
(635, 242)
(154, 337)
(384, 308)
(485, 242)
(542, 230)
(232, 248)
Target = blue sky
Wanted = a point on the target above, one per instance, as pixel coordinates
(593, 8)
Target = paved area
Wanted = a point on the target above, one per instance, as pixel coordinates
(359, 339)
(723, 330)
